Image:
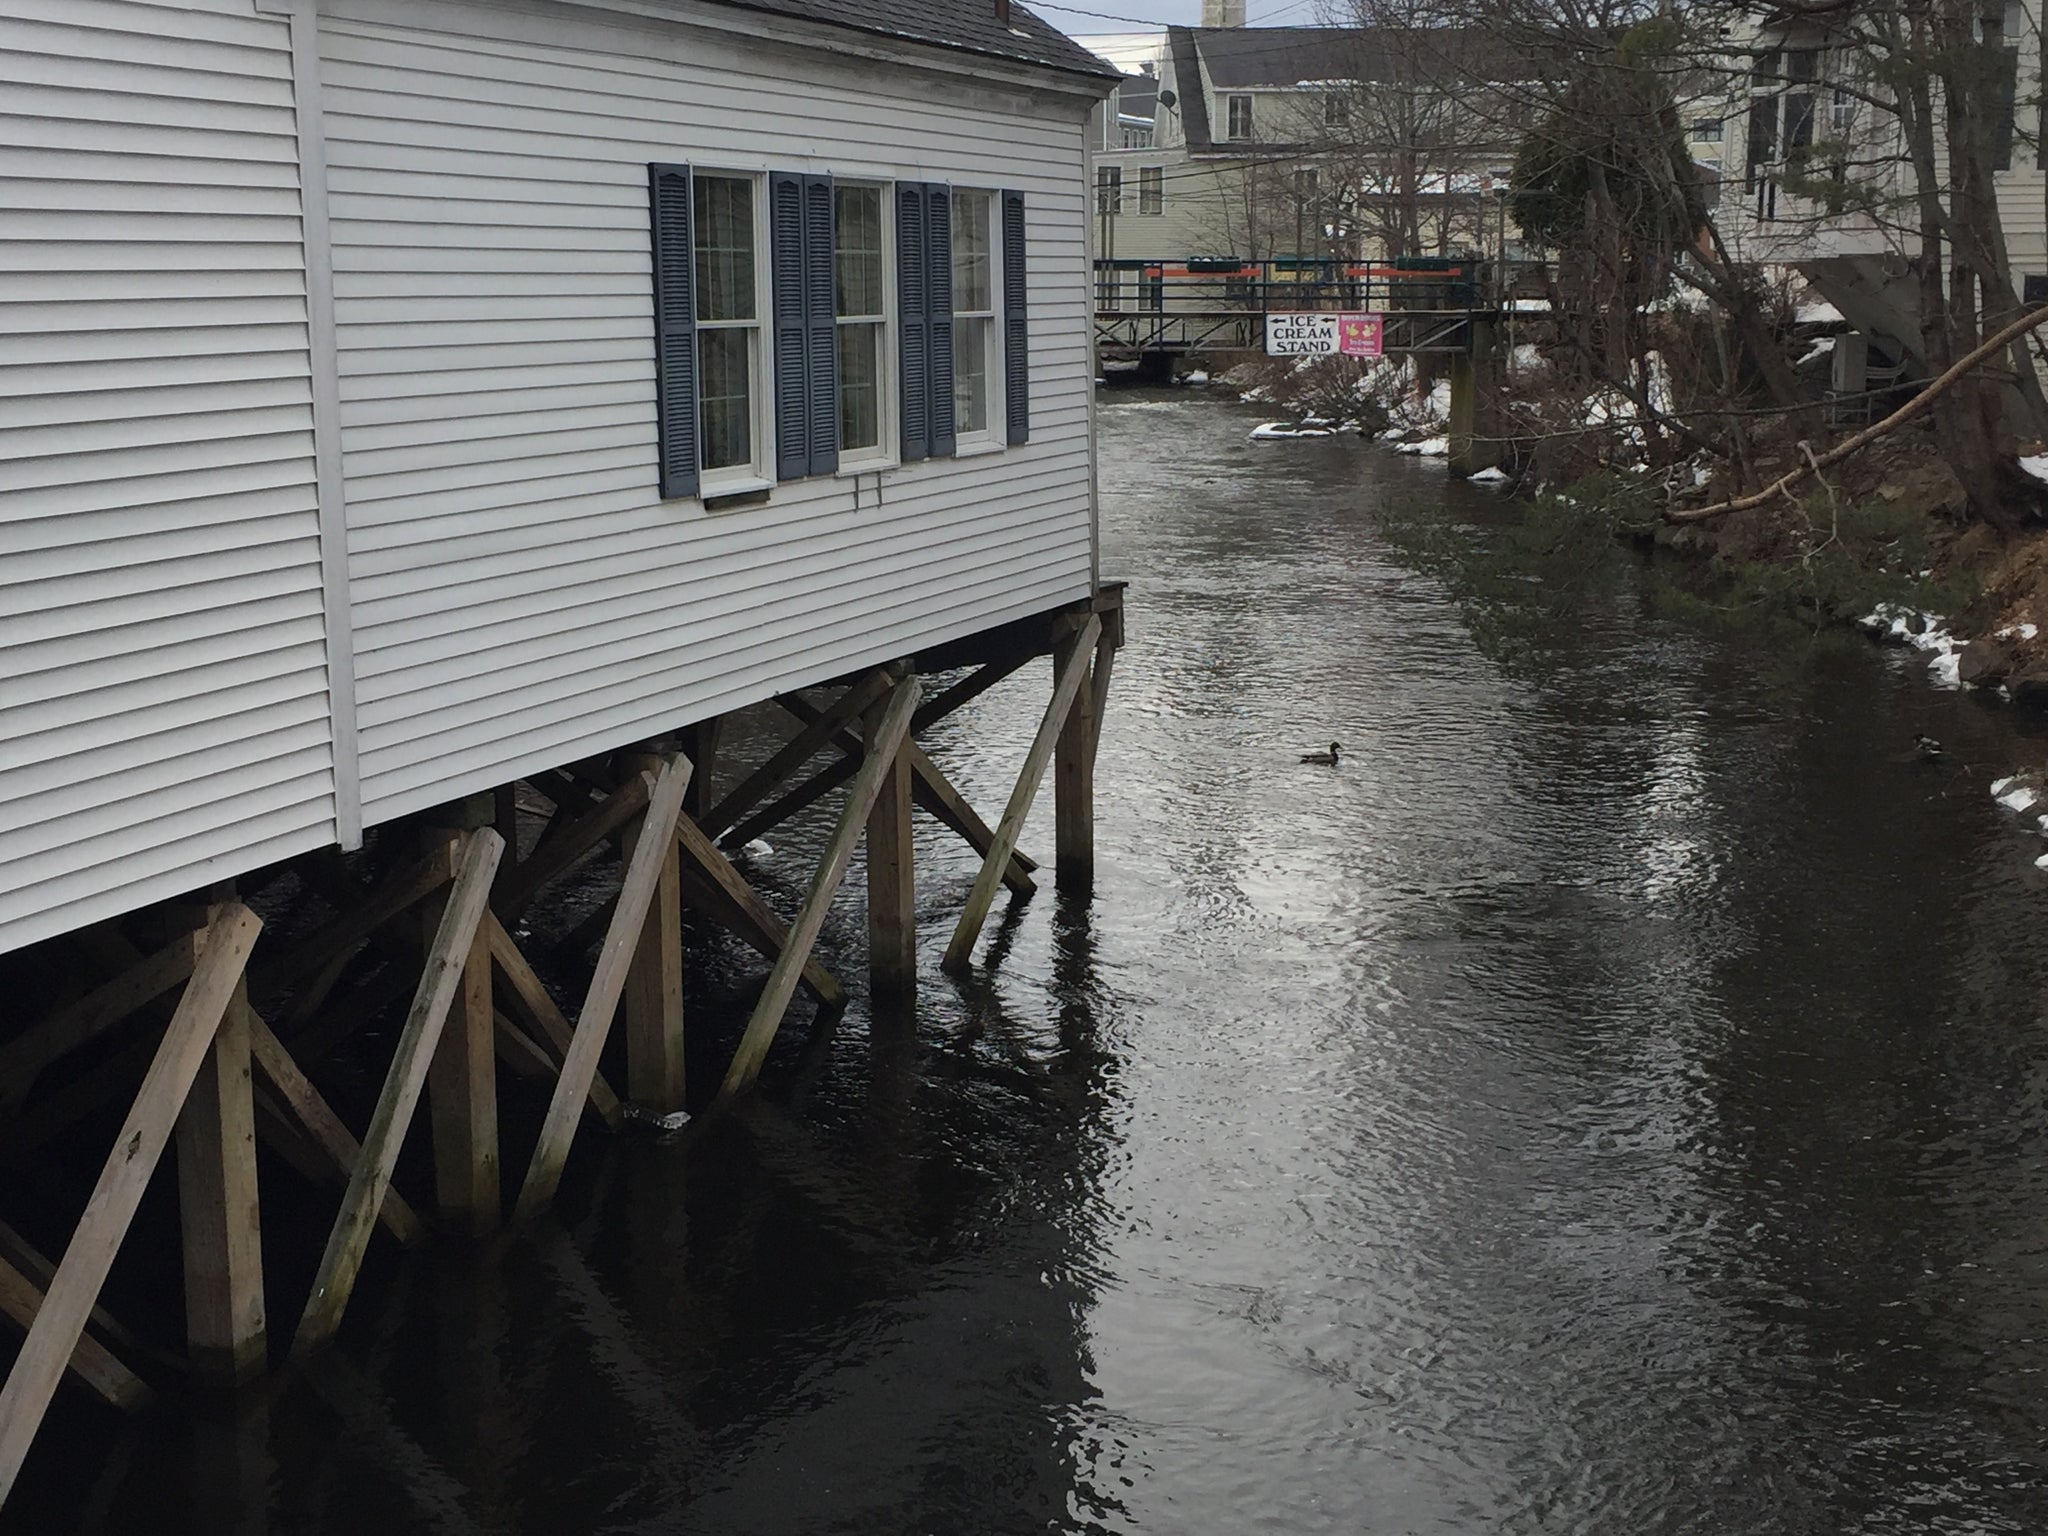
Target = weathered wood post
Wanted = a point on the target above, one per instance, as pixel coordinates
(654, 984)
(892, 876)
(1073, 780)
(1475, 389)
(180, 1057)
(462, 1080)
(218, 1210)
(700, 746)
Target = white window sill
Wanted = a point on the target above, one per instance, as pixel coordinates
(974, 448)
(846, 470)
(717, 490)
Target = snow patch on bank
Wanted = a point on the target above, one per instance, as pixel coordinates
(1268, 431)
(1923, 632)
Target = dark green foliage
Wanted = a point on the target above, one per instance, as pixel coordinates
(1613, 142)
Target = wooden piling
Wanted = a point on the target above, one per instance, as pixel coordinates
(892, 878)
(462, 1087)
(654, 984)
(652, 852)
(886, 742)
(960, 949)
(447, 961)
(1073, 774)
(60, 1321)
(218, 1210)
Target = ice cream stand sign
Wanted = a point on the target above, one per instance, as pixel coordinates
(1323, 333)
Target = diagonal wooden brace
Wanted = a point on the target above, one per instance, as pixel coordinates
(652, 850)
(960, 949)
(800, 749)
(934, 794)
(890, 732)
(447, 957)
(60, 1321)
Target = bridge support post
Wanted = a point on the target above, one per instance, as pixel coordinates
(1475, 403)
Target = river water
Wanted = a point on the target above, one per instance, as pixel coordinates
(1610, 1101)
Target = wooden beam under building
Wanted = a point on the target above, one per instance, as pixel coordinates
(892, 873)
(652, 852)
(218, 1210)
(60, 1321)
(891, 731)
(960, 949)
(447, 959)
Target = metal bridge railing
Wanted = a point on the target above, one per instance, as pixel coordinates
(1220, 304)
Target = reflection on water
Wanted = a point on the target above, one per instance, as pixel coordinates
(1608, 1102)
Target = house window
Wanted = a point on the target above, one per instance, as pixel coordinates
(977, 371)
(1336, 111)
(1151, 188)
(860, 303)
(1707, 131)
(1109, 189)
(730, 398)
(1305, 187)
(1799, 120)
(1842, 113)
(1240, 117)
(1137, 136)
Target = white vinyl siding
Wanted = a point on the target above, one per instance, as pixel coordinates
(163, 707)
(521, 595)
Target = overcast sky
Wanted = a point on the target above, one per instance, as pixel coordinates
(1132, 15)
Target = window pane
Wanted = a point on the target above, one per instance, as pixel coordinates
(858, 271)
(971, 288)
(725, 248)
(970, 374)
(860, 391)
(723, 363)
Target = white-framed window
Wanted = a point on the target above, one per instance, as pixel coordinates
(1238, 116)
(1841, 113)
(1336, 110)
(1707, 130)
(1151, 189)
(1137, 136)
(862, 294)
(977, 321)
(1109, 189)
(729, 219)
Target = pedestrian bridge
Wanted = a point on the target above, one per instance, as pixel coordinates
(1160, 308)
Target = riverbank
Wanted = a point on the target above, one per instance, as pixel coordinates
(1881, 535)
(1880, 543)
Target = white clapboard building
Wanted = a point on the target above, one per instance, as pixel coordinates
(398, 397)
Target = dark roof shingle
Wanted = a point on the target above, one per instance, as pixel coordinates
(967, 26)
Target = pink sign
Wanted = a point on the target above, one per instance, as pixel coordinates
(1359, 335)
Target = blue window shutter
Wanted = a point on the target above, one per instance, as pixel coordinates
(675, 328)
(911, 304)
(939, 314)
(786, 282)
(1016, 329)
(822, 323)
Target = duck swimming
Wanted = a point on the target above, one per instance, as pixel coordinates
(1927, 748)
(1328, 759)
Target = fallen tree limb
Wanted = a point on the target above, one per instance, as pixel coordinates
(1985, 350)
